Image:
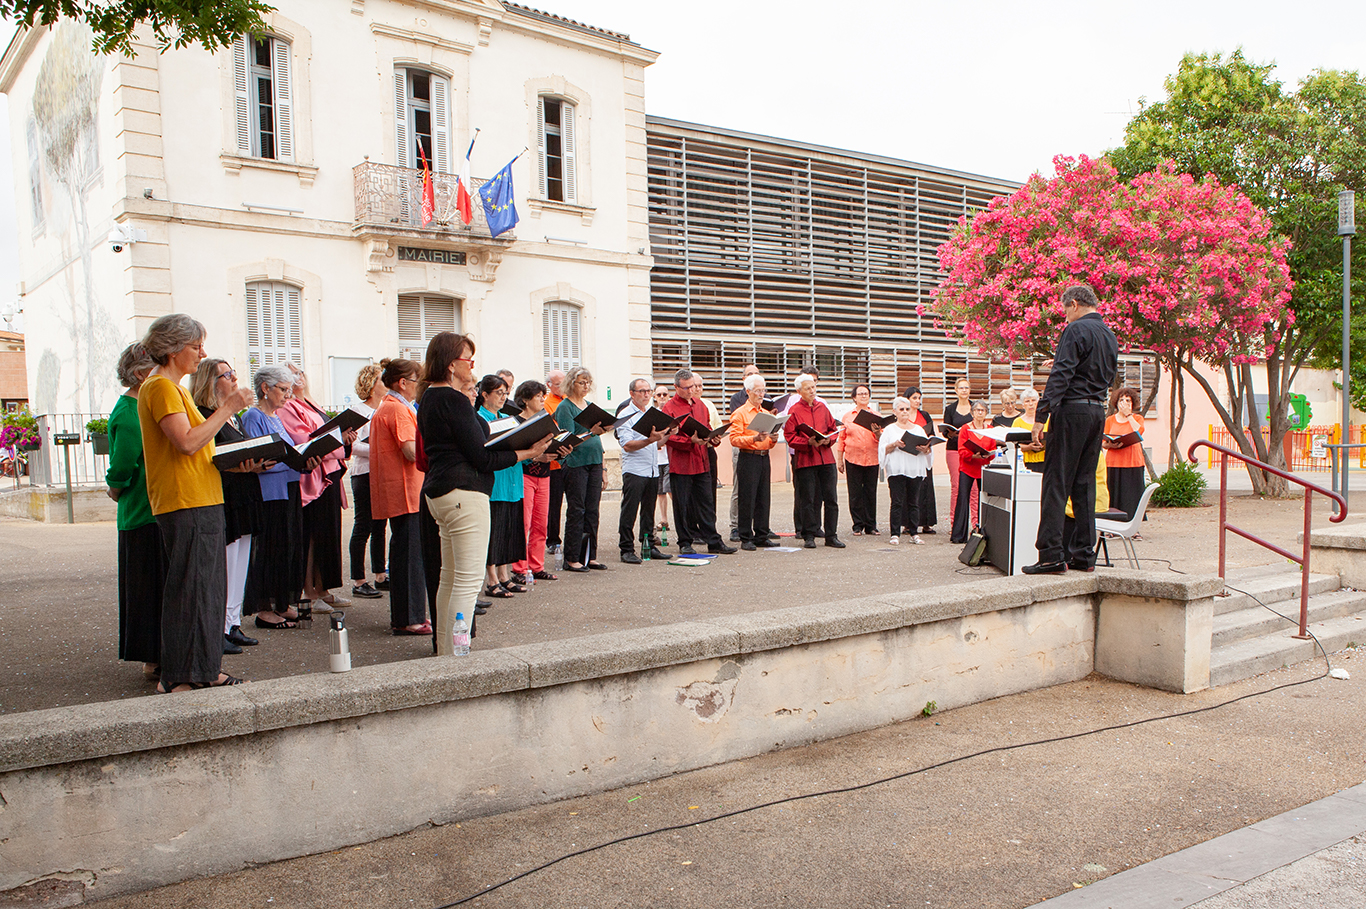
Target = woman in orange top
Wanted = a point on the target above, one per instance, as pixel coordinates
(856, 457)
(396, 494)
(1124, 463)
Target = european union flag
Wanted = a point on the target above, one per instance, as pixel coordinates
(497, 196)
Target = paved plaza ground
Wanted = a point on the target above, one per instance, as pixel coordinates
(1007, 829)
(59, 607)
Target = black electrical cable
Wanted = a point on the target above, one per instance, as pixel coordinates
(909, 773)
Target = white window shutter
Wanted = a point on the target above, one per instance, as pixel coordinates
(241, 95)
(441, 124)
(403, 147)
(409, 322)
(572, 352)
(294, 347)
(253, 329)
(540, 147)
(569, 168)
(284, 106)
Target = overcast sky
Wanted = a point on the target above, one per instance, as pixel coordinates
(995, 87)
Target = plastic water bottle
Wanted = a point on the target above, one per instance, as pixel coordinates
(664, 535)
(460, 636)
(559, 558)
(645, 550)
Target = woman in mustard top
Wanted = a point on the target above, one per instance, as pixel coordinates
(186, 494)
(142, 564)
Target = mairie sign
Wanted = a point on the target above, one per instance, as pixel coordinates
(435, 256)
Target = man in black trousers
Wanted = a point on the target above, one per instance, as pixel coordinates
(1073, 403)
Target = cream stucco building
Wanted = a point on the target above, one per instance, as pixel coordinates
(274, 191)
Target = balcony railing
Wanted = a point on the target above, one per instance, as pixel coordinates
(391, 197)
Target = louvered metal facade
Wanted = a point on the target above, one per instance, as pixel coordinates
(780, 253)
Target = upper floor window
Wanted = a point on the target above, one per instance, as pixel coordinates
(35, 176)
(422, 119)
(560, 335)
(556, 152)
(274, 324)
(265, 110)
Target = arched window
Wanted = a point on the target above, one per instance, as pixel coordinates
(265, 107)
(274, 324)
(556, 152)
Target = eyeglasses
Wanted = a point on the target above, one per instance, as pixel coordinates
(469, 360)
(230, 374)
(284, 389)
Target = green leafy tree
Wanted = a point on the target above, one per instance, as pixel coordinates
(175, 23)
(1290, 152)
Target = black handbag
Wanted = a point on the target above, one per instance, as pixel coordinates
(974, 552)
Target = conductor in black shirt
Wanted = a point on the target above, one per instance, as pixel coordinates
(1075, 398)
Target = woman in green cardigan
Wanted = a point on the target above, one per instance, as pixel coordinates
(142, 563)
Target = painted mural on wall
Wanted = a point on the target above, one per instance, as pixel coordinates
(65, 114)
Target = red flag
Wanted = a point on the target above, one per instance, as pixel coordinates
(428, 190)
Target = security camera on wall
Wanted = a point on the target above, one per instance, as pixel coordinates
(122, 235)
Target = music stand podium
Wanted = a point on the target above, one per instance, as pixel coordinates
(1011, 503)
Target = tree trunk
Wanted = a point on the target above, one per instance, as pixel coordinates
(1237, 395)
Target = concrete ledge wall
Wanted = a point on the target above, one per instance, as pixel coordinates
(1337, 549)
(129, 795)
(48, 503)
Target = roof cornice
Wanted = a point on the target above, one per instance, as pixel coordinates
(20, 46)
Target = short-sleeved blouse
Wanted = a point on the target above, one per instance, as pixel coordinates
(395, 482)
(1129, 455)
(175, 481)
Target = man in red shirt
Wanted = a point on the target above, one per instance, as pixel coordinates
(690, 472)
(813, 475)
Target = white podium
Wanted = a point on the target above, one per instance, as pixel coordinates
(1011, 497)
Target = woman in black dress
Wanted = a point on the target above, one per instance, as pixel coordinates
(242, 506)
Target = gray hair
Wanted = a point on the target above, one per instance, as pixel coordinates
(134, 365)
(571, 377)
(804, 379)
(649, 386)
(899, 400)
(170, 335)
(682, 375)
(1080, 294)
(980, 403)
(1029, 394)
(271, 375)
(753, 380)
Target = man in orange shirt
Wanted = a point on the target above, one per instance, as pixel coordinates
(752, 470)
(553, 380)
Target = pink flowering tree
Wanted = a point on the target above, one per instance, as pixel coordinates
(1186, 269)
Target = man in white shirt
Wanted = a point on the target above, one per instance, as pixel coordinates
(639, 476)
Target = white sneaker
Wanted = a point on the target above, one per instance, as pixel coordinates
(916, 540)
(321, 608)
(895, 541)
(337, 602)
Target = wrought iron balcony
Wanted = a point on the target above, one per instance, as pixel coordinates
(389, 199)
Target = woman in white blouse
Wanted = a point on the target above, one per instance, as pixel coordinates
(906, 467)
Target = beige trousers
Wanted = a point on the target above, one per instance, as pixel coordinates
(462, 517)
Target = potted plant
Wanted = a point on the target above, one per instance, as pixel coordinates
(99, 435)
(19, 431)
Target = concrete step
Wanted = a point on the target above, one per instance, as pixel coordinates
(1232, 627)
(1263, 654)
(1272, 589)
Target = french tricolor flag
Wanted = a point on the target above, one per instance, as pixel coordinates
(463, 187)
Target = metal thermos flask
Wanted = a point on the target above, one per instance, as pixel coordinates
(340, 656)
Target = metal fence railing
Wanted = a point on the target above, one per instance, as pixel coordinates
(1300, 454)
(47, 465)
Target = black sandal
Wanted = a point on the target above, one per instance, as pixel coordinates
(496, 592)
(512, 587)
(544, 576)
(283, 623)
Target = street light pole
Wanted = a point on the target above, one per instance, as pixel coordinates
(1347, 228)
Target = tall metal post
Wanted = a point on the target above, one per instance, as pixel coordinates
(1346, 229)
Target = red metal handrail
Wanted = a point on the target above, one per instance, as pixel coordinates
(1309, 490)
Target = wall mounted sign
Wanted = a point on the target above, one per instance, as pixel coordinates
(435, 256)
